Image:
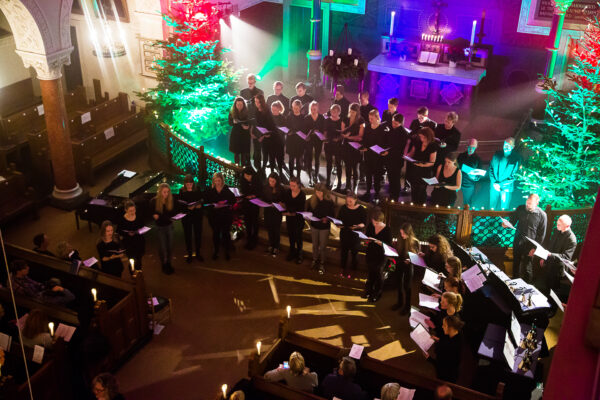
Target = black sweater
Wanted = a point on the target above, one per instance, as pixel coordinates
(448, 354)
(324, 208)
(164, 217)
(375, 252)
(294, 204)
(191, 196)
(352, 217)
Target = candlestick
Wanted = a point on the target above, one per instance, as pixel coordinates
(331, 52)
(289, 311)
(258, 344)
(350, 51)
(224, 390)
(356, 62)
(473, 32)
(94, 294)
(338, 61)
(422, 36)
(392, 24)
(51, 327)
(132, 264)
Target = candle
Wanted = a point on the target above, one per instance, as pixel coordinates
(289, 311)
(224, 390)
(338, 61)
(94, 294)
(350, 51)
(356, 62)
(473, 32)
(132, 264)
(331, 52)
(392, 24)
(258, 344)
(422, 36)
(51, 327)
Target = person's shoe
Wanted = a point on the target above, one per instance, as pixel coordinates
(396, 306)
(170, 269)
(215, 255)
(290, 256)
(189, 259)
(314, 264)
(299, 259)
(269, 249)
(311, 182)
(321, 270)
(365, 295)
(274, 252)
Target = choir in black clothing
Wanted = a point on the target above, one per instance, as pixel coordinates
(220, 199)
(407, 242)
(239, 139)
(250, 188)
(295, 144)
(111, 252)
(379, 234)
(448, 136)
(396, 140)
(423, 151)
(334, 126)
(314, 125)
(373, 136)
(294, 200)
(321, 207)
(422, 121)
(472, 160)
(190, 202)
(278, 96)
(263, 134)
(128, 227)
(353, 217)
(163, 209)
(273, 193)
(351, 155)
(304, 98)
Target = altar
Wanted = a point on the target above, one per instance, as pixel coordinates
(390, 76)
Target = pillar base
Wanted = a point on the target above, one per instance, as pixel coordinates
(68, 199)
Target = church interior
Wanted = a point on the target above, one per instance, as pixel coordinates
(252, 199)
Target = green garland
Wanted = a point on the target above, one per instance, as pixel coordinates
(346, 69)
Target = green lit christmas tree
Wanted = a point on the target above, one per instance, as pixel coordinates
(195, 84)
(563, 166)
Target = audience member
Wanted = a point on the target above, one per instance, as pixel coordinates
(237, 395)
(41, 243)
(340, 383)
(35, 332)
(390, 391)
(295, 375)
(50, 292)
(448, 349)
(106, 387)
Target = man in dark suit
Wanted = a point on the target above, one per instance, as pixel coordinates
(278, 95)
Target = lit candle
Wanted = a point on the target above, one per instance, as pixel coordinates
(338, 61)
(350, 51)
(331, 52)
(51, 327)
(258, 344)
(392, 24)
(356, 62)
(473, 32)
(422, 36)
(289, 311)
(224, 390)
(132, 264)
(94, 294)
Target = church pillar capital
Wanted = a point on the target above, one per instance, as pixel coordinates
(47, 66)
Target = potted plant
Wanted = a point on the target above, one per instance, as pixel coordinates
(456, 51)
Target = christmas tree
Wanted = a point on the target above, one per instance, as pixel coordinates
(563, 166)
(195, 83)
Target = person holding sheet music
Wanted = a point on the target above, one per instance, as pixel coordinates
(448, 137)
(396, 140)
(321, 206)
(35, 332)
(278, 96)
(163, 210)
(334, 126)
(304, 98)
(365, 106)
(220, 199)
(530, 222)
(353, 134)
(111, 252)
(448, 349)
(354, 217)
(562, 246)
(133, 241)
(262, 140)
(450, 304)
(378, 234)
(424, 151)
(250, 93)
(239, 138)
(373, 135)
(437, 253)
(294, 200)
(295, 145)
(314, 124)
(341, 100)
(388, 115)
(407, 242)
(250, 188)
(503, 167)
(276, 152)
(190, 203)
(273, 193)
(449, 179)
(422, 121)
(466, 160)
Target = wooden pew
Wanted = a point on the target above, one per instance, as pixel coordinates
(16, 197)
(371, 375)
(121, 313)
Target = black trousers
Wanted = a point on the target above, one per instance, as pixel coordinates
(394, 173)
(273, 225)
(251, 220)
(242, 159)
(374, 285)
(349, 243)
(351, 174)
(294, 225)
(221, 234)
(276, 153)
(418, 191)
(257, 154)
(522, 267)
(468, 192)
(404, 275)
(333, 152)
(313, 149)
(374, 175)
(192, 233)
(295, 164)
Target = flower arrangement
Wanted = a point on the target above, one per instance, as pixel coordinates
(341, 66)
(237, 225)
(456, 49)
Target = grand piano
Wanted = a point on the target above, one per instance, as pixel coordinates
(138, 187)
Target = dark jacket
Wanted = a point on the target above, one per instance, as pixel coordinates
(531, 224)
(503, 169)
(342, 388)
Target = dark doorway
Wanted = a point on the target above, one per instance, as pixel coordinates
(73, 75)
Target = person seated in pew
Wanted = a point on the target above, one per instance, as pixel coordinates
(35, 332)
(448, 349)
(51, 292)
(7, 325)
(450, 304)
(112, 254)
(438, 252)
(65, 251)
(106, 387)
(340, 382)
(41, 243)
(295, 374)
(443, 392)
(390, 391)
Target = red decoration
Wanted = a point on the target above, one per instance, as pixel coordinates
(587, 54)
(200, 16)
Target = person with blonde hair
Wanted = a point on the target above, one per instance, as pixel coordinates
(352, 135)
(333, 144)
(390, 391)
(373, 136)
(111, 252)
(220, 216)
(313, 122)
(277, 141)
(321, 206)
(163, 209)
(450, 304)
(448, 136)
(296, 375)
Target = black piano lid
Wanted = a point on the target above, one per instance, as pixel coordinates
(136, 185)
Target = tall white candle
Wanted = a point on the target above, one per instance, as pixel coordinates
(94, 294)
(258, 344)
(51, 327)
(331, 52)
(338, 61)
(392, 24)
(356, 62)
(132, 264)
(350, 51)
(473, 32)
(289, 311)
(224, 390)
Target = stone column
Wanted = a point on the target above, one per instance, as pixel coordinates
(66, 189)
